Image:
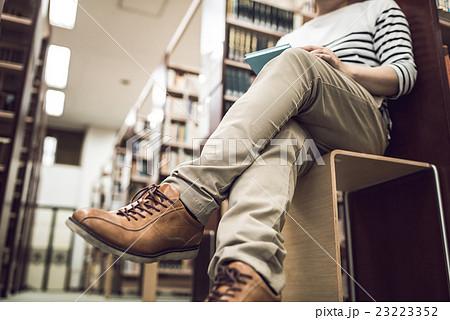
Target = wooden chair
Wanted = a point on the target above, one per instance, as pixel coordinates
(395, 214)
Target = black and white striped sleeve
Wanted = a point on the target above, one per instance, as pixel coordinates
(393, 46)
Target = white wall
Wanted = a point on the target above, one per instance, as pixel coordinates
(60, 185)
(71, 186)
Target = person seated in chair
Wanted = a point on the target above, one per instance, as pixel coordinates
(329, 88)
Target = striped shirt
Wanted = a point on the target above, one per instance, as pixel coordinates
(371, 33)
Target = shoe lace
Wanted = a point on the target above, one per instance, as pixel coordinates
(230, 277)
(145, 199)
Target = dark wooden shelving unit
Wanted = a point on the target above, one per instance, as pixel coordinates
(23, 46)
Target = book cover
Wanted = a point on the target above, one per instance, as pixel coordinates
(258, 59)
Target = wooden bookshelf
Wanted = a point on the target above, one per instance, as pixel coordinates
(184, 69)
(175, 272)
(222, 91)
(237, 64)
(178, 145)
(22, 121)
(11, 66)
(235, 22)
(7, 115)
(180, 93)
(230, 98)
(15, 23)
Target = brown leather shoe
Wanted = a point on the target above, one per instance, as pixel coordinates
(154, 227)
(238, 282)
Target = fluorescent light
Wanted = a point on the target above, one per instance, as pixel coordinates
(54, 103)
(48, 154)
(130, 120)
(57, 67)
(63, 13)
(156, 116)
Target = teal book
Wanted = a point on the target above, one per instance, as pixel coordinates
(258, 59)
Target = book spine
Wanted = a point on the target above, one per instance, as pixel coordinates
(231, 43)
(242, 46)
(256, 13)
(254, 43)
(248, 43)
(230, 7)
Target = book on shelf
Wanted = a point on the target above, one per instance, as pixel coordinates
(186, 82)
(170, 158)
(258, 59)
(181, 108)
(177, 131)
(16, 8)
(241, 42)
(131, 269)
(141, 167)
(12, 54)
(170, 264)
(181, 132)
(261, 14)
(237, 81)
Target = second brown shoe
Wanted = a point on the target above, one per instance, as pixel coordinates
(154, 227)
(238, 282)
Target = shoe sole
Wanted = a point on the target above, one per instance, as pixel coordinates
(94, 240)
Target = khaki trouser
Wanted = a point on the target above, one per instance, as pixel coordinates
(253, 156)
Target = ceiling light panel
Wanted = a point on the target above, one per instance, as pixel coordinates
(54, 103)
(63, 13)
(57, 66)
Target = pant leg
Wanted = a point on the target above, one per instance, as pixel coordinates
(337, 111)
(250, 230)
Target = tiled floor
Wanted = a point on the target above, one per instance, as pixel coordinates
(36, 296)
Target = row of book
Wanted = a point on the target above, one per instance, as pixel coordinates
(186, 82)
(182, 132)
(241, 42)
(176, 264)
(183, 108)
(443, 5)
(131, 269)
(261, 14)
(170, 158)
(142, 167)
(117, 188)
(18, 9)
(146, 146)
(12, 54)
(237, 81)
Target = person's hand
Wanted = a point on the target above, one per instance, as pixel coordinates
(379, 81)
(328, 55)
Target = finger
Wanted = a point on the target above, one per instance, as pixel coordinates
(324, 56)
(327, 50)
